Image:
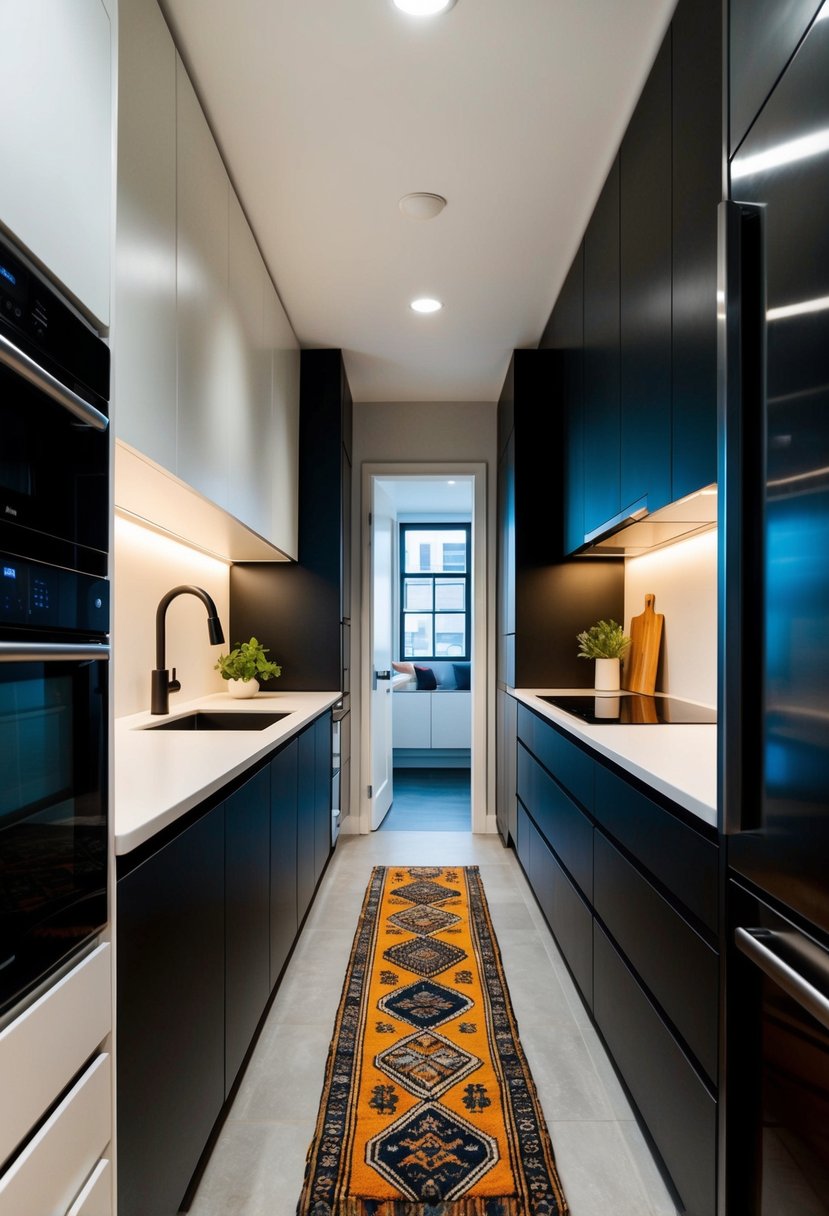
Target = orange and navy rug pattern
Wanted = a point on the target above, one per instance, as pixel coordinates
(428, 1106)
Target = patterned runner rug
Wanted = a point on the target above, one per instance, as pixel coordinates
(428, 1106)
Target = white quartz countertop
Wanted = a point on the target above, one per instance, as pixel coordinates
(680, 761)
(161, 774)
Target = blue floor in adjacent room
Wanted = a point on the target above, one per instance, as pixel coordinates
(430, 800)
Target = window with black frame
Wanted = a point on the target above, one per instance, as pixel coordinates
(434, 591)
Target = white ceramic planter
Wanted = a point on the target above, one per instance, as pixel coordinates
(607, 675)
(242, 688)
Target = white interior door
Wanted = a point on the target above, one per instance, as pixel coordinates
(380, 615)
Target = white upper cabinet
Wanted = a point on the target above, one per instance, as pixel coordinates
(207, 349)
(284, 429)
(144, 361)
(56, 142)
(249, 493)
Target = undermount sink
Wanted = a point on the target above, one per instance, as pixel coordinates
(202, 719)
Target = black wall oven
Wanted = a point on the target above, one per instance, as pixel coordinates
(54, 630)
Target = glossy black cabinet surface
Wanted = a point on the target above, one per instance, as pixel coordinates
(602, 471)
(283, 854)
(764, 34)
(695, 196)
(171, 1015)
(565, 333)
(629, 891)
(645, 294)
(247, 916)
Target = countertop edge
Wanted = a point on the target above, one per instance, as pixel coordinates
(252, 747)
(670, 785)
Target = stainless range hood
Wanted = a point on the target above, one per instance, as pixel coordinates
(636, 530)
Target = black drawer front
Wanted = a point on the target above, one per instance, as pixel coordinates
(572, 767)
(522, 837)
(558, 818)
(673, 961)
(680, 858)
(680, 1113)
(568, 915)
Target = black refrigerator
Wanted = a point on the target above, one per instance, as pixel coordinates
(774, 645)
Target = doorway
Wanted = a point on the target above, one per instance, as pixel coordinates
(423, 675)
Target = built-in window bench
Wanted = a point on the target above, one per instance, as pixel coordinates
(432, 728)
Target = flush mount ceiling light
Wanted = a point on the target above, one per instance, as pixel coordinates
(421, 206)
(426, 304)
(423, 8)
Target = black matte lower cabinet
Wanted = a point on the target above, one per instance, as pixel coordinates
(171, 1015)
(247, 916)
(628, 888)
(205, 923)
(284, 921)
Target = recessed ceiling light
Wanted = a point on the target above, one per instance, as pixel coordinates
(421, 206)
(426, 304)
(423, 8)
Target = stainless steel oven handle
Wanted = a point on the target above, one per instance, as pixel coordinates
(18, 361)
(60, 652)
(752, 942)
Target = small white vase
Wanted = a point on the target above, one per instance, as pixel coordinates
(242, 688)
(607, 675)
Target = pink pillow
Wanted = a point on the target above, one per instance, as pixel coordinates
(406, 668)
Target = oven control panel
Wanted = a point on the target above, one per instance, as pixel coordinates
(35, 596)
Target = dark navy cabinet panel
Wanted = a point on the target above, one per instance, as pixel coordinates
(322, 793)
(601, 358)
(283, 856)
(678, 1109)
(679, 857)
(247, 916)
(171, 1015)
(764, 34)
(672, 960)
(306, 820)
(572, 767)
(567, 913)
(696, 193)
(566, 829)
(565, 333)
(645, 292)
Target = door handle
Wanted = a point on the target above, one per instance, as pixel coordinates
(51, 652)
(18, 361)
(757, 944)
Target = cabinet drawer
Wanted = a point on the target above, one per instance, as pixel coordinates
(568, 915)
(96, 1197)
(572, 767)
(680, 1113)
(680, 858)
(41, 1051)
(558, 819)
(523, 826)
(47, 1176)
(673, 961)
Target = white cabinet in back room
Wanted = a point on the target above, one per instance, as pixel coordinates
(57, 182)
(205, 340)
(144, 362)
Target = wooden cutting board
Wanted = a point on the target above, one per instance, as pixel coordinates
(642, 657)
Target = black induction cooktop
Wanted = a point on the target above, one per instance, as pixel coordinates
(631, 709)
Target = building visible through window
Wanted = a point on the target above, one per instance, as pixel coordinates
(434, 591)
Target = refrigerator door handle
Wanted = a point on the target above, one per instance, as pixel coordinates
(741, 312)
(757, 944)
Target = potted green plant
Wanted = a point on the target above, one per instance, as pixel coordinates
(606, 642)
(245, 666)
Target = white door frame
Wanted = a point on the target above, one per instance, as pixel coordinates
(480, 671)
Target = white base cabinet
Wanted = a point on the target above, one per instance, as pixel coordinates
(432, 719)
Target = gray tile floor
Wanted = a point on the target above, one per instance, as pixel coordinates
(257, 1166)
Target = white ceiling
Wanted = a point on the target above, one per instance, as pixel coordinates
(328, 111)
(430, 495)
